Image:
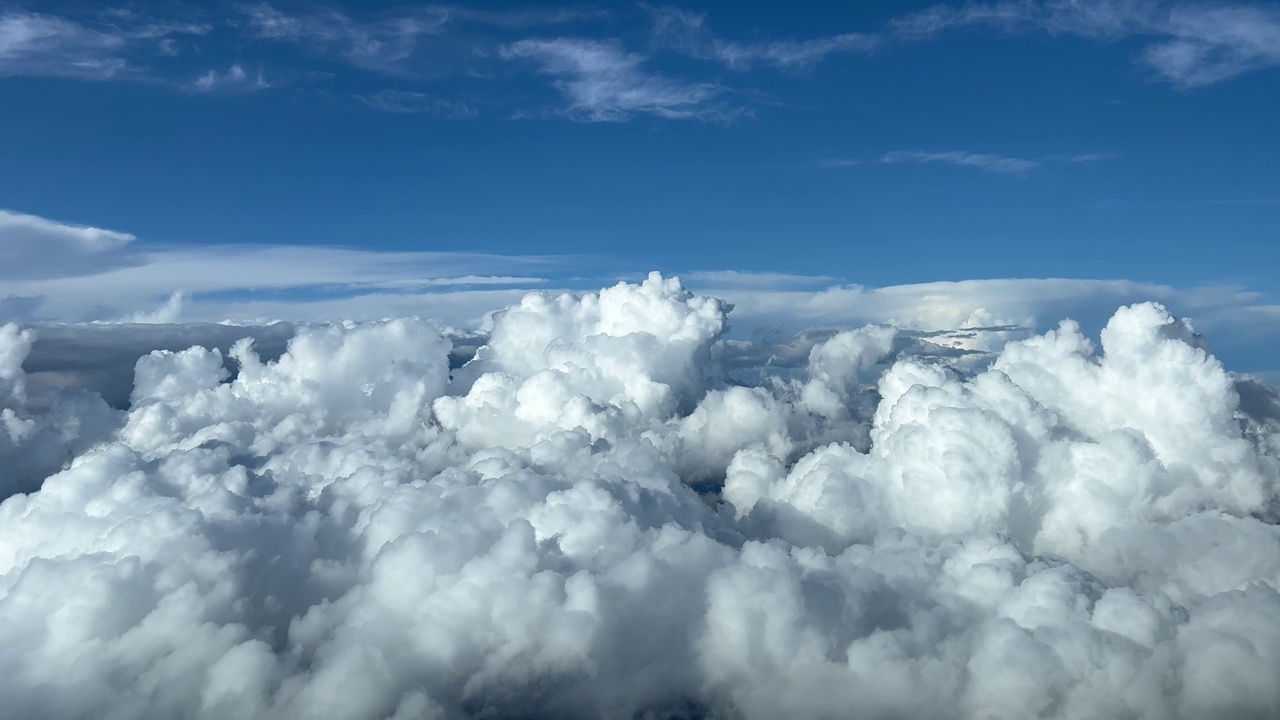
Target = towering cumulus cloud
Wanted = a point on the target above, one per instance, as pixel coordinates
(591, 519)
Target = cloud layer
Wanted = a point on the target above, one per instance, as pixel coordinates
(99, 275)
(55, 271)
(592, 519)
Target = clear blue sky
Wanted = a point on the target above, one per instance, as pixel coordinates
(879, 143)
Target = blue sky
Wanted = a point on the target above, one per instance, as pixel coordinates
(876, 145)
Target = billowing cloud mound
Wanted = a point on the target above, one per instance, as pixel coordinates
(590, 519)
(38, 437)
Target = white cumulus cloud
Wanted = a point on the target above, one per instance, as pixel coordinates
(592, 519)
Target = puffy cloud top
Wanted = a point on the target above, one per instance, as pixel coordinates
(590, 520)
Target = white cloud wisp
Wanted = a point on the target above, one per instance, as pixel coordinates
(601, 81)
(41, 45)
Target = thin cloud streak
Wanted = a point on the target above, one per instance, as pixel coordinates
(986, 162)
(409, 102)
(982, 161)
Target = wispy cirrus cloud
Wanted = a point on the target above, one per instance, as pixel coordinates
(1210, 44)
(1188, 44)
(127, 44)
(1098, 19)
(375, 45)
(327, 24)
(523, 18)
(118, 44)
(413, 102)
(387, 42)
(791, 54)
(986, 162)
(610, 78)
(602, 82)
(689, 32)
(41, 45)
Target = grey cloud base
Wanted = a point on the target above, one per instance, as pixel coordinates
(352, 531)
